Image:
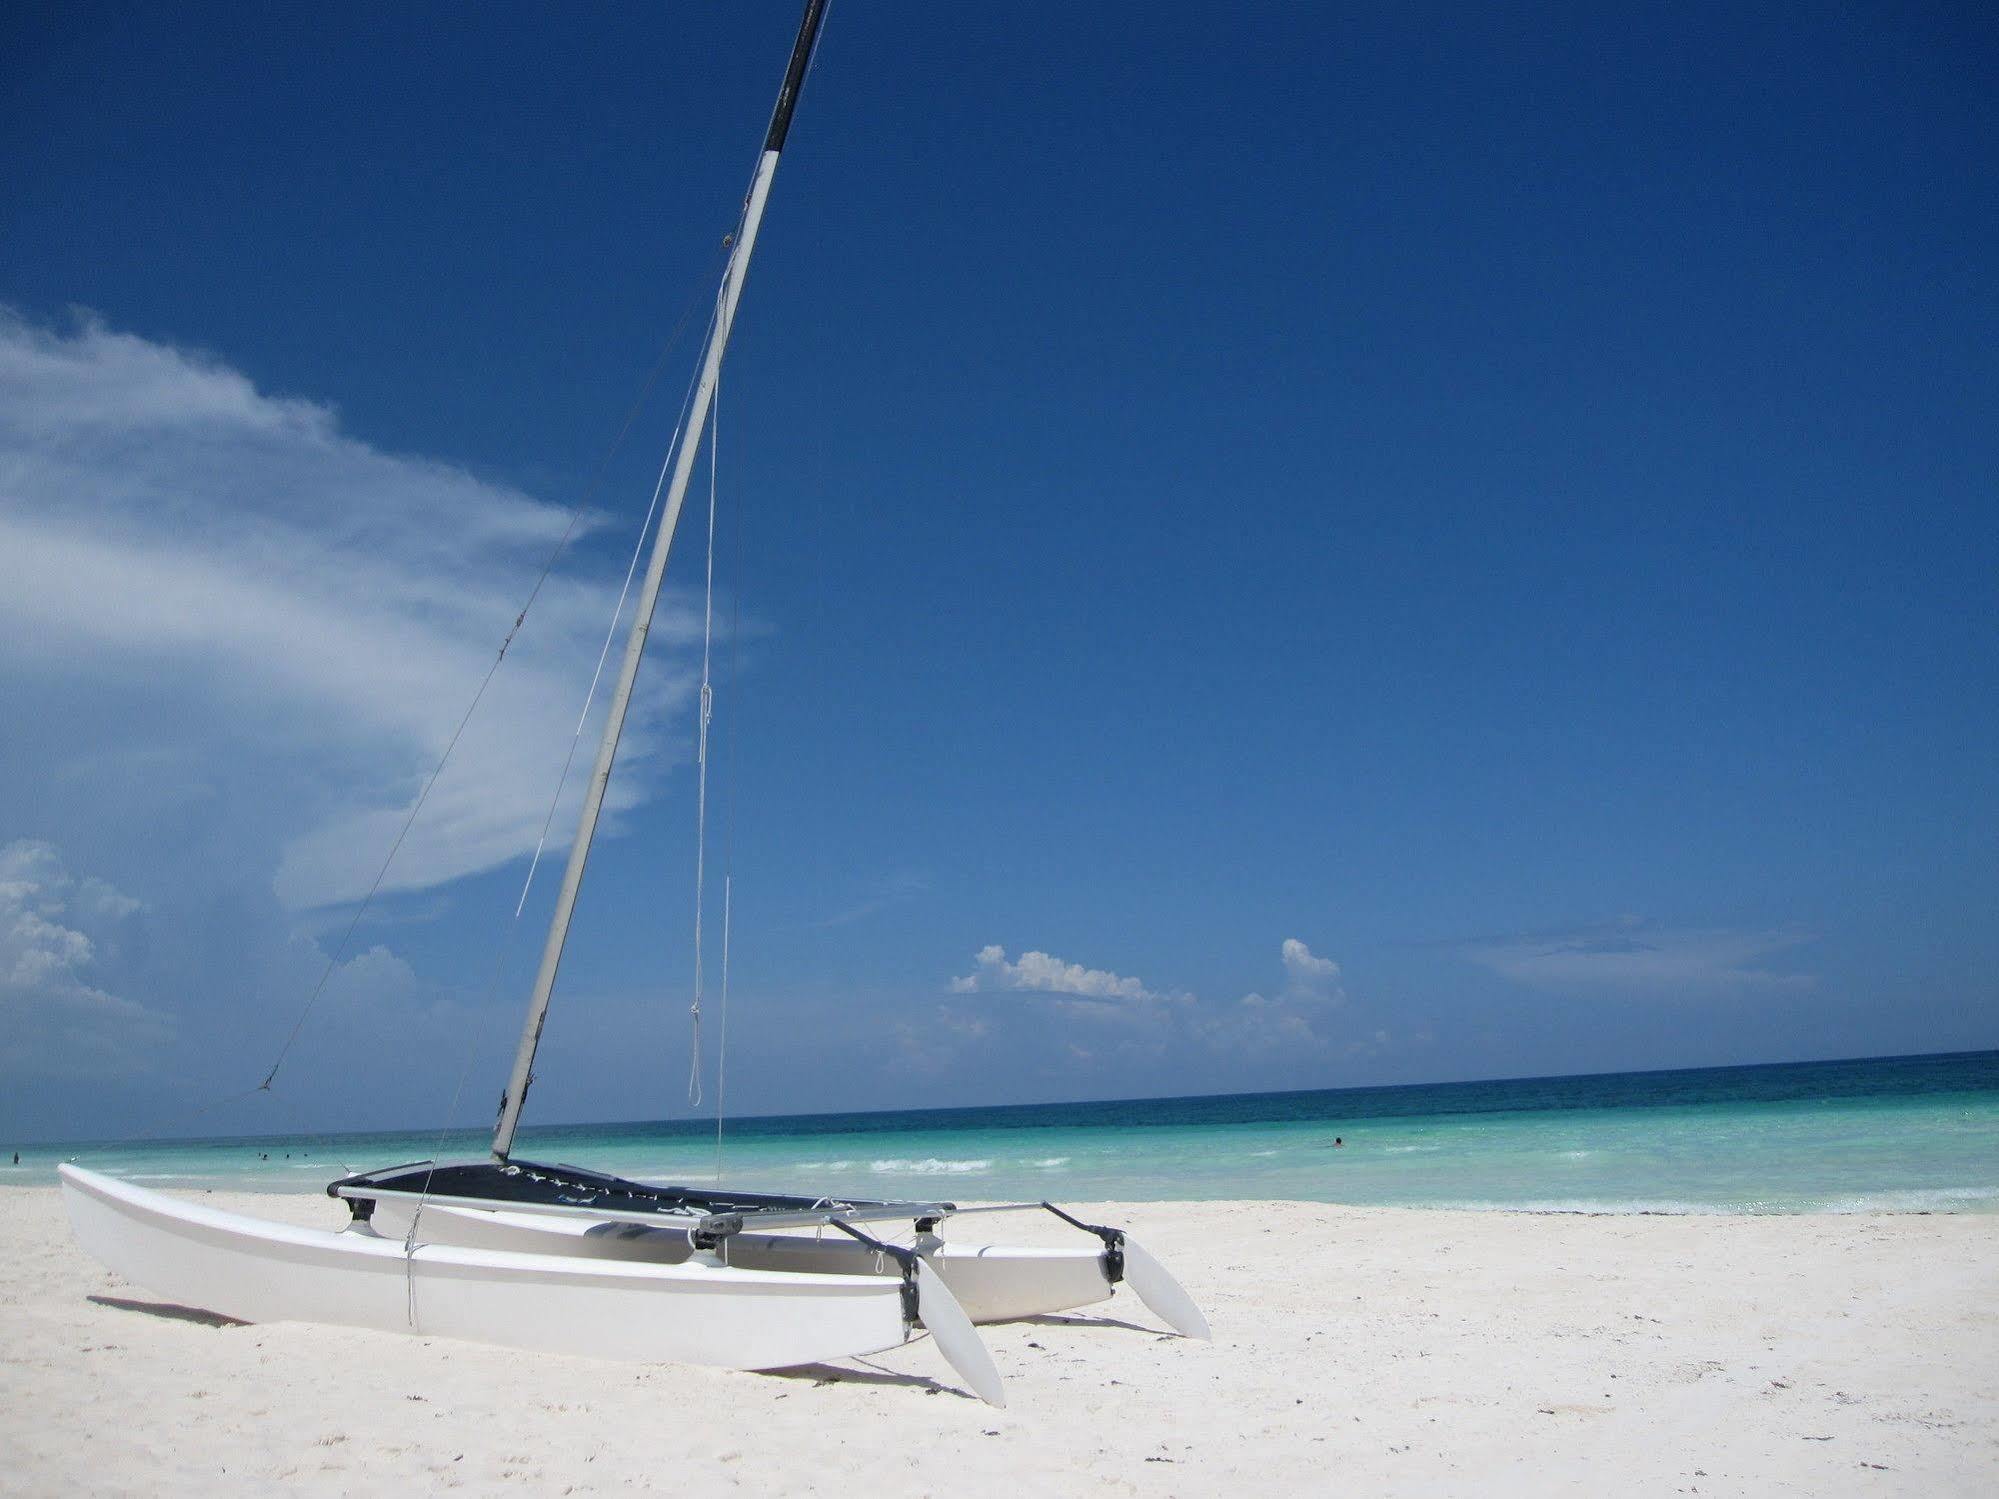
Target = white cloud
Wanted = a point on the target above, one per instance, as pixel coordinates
(272, 598)
(1292, 1021)
(1631, 956)
(1100, 994)
(1309, 976)
(55, 1021)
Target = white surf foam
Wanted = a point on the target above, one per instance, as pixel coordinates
(928, 1166)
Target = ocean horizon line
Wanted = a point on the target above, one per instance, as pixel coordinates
(701, 1123)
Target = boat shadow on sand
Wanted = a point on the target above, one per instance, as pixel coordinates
(819, 1374)
(868, 1374)
(874, 1374)
(171, 1311)
(1064, 1319)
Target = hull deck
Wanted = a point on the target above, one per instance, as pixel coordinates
(524, 1187)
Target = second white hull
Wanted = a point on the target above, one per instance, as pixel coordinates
(993, 1283)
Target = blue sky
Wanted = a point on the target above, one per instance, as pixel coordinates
(1339, 547)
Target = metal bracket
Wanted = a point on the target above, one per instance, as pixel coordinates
(1113, 1237)
(1113, 1241)
(905, 1260)
(713, 1229)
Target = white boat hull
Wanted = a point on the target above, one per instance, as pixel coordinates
(258, 1271)
(993, 1283)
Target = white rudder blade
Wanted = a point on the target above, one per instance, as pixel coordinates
(1158, 1289)
(955, 1336)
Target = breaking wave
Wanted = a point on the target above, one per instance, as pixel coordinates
(928, 1166)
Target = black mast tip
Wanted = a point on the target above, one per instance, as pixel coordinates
(794, 75)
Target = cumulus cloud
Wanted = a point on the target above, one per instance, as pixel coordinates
(1633, 956)
(1098, 994)
(1292, 1021)
(1308, 976)
(56, 1021)
(311, 601)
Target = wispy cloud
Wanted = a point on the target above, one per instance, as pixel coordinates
(1631, 955)
(932, 1045)
(314, 601)
(55, 1019)
(894, 891)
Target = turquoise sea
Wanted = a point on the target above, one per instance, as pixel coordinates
(1896, 1134)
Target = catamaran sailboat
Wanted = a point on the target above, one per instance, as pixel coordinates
(565, 1260)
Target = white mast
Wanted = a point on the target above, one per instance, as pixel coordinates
(621, 696)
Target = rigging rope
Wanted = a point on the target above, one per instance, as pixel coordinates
(527, 884)
(333, 961)
(604, 654)
(733, 688)
(576, 514)
(722, 1046)
(707, 715)
(577, 511)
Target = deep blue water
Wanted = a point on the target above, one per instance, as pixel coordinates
(1882, 1134)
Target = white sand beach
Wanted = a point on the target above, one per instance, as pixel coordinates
(1356, 1351)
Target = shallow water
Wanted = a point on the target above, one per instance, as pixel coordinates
(1908, 1134)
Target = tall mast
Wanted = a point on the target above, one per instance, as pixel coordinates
(635, 644)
